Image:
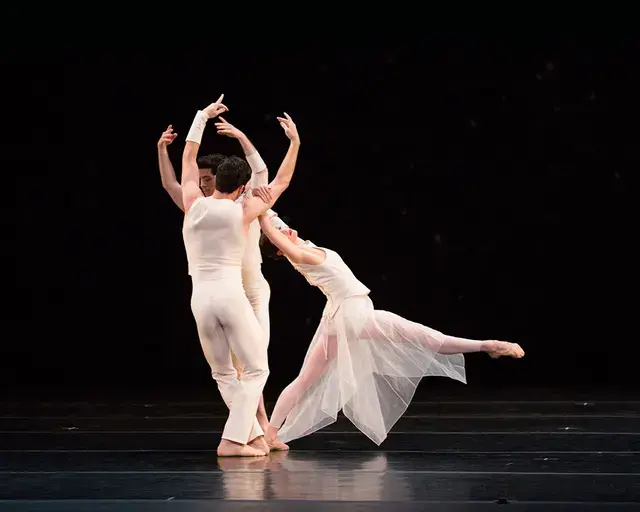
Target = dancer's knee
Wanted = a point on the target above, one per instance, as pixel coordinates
(305, 381)
(260, 373)
(224, 374)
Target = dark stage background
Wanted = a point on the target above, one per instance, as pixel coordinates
(481, 188)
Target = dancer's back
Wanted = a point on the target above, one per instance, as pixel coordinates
(214, 239)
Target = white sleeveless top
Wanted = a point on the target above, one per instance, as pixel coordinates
(333, 278)
(214, 238)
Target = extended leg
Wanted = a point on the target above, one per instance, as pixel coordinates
(393, 326)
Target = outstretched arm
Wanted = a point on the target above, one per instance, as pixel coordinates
(259, 173)
(190, 174)
(292, 252)
(167, 174)
(254, 206)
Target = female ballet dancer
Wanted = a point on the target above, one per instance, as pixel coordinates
(363, 361)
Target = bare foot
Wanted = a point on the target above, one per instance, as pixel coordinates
(228, 448)
(260, 444)
(498, 349)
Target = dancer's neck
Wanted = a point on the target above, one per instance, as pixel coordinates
(222, 195)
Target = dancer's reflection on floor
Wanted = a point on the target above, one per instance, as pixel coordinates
(244, 478)
(300, 475)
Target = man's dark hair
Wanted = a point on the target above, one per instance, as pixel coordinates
(211, 161)
(232, 174)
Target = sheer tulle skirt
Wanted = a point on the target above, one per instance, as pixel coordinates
(367, 363)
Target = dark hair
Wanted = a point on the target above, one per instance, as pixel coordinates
(211, 161)
(268, 249)
(232, 174)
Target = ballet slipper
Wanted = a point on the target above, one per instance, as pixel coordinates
(498, 349)
(259, 443)
(271, 436)
(278, 446)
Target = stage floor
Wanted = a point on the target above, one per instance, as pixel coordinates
(554, 455)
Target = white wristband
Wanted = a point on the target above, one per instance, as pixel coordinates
(256, 163)
(197, 127)
(276, 221)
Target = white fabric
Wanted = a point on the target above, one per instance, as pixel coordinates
(214, 237)
(362, 361)
(214, 240)
(253, 258)
(276, 221)
(258, 291)
(334, 279)
(256, 162)
(197, 127)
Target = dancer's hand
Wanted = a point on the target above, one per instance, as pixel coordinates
(290, 129)
(263, 193)
(215, 109)
(227, 129)
(167, 137)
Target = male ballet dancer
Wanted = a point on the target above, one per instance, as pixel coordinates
(215, 235)
(255, 285)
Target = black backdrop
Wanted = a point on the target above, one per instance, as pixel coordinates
(479, 188)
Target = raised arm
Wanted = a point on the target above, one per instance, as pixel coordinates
(293, 253)
(190, 175)
(254, 206)
(167, 174)
(259, 173)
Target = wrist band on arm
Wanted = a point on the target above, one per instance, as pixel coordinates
(277, 222)
(256, 163)
(197, 127)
